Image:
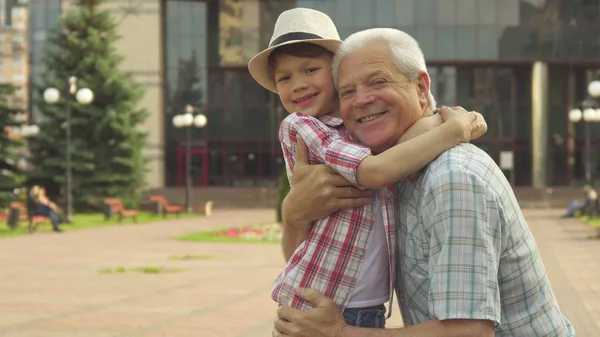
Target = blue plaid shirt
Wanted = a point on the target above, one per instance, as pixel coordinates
(466, 252)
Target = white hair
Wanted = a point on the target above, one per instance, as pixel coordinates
(407, 54)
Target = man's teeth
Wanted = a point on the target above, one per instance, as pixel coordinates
(370, 118)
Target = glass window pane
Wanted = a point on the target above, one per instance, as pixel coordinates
(486, 11)
(446, 12)
(425, 12)
(328, 7)
(198, 11)
(185, 18)
(433, 82)
(426, 38)
(466, 43)
(185, 46)
(344, 20)
(405, 12)
(466, 12)
(446, 43)
(38, 16)
(449, 96)
(508, 12)
(384, 10)
(306, 3)
(172, 51)
(365, 11)
(487, 42)
(443, 85)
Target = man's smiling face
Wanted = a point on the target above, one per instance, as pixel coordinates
(377, 102)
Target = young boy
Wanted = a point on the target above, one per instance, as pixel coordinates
(349, 256)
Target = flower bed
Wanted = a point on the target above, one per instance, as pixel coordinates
(255, 233)
(259, 232)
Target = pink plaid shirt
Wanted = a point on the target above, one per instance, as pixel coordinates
(330, 259)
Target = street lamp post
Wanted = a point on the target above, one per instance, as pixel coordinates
(187, 120)
(83, 96)
(589, 114)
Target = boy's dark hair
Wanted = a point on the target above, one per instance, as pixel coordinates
(302, 49)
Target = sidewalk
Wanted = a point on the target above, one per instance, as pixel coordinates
(573, 264)
(50, 285)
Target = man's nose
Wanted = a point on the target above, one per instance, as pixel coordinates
(362, 98)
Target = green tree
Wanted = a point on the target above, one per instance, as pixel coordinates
(106, 141)
(11, 144)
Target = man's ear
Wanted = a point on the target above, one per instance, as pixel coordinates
(423, 88)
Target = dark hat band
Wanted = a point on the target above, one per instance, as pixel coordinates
(294, 36)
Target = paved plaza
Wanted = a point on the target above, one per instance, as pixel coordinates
(50, 284)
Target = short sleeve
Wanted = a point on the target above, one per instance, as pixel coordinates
(325, 145)
(461, 218)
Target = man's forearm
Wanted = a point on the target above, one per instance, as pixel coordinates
(291, 238)
(293, 233)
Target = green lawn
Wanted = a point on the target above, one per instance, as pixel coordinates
(219, 235)
(81, 221)
(143, 270)
(594, 222)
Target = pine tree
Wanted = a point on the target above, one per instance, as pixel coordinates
(106, 141)
(11, 144)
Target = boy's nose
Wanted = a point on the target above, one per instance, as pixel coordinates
(300, 86)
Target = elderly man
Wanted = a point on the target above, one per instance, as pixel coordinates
(468, 264)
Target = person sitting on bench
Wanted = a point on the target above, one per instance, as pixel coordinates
(40, 204)
(588, 207)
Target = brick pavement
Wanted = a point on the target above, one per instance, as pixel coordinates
(573, 264)
(50, 285)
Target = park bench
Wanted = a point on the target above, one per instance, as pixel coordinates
(115, 206)
(163, 206)
(19, 213)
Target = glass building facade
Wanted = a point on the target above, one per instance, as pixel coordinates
(208, 45)
(480, 55)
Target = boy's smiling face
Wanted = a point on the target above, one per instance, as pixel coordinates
(306, 84)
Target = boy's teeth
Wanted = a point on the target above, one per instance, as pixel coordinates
(304, 99)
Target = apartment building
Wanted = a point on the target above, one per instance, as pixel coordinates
(13, 50)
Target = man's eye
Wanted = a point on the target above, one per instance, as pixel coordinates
(379, 82)
(346, 93)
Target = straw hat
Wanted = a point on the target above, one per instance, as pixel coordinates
(295, 25)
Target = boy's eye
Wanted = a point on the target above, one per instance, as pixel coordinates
(283, 78)
(312, 70)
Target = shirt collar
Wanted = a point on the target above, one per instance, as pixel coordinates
(331, 121)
